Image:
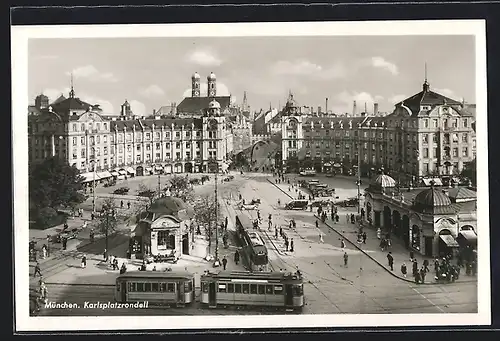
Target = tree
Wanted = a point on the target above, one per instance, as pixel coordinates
(181, 188)
(145, 191)
(469, 171)
(54, 183)
(205, 209)
(107, 221)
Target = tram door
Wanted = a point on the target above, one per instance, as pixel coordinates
(124, 291)
(180, 292)
(212, 302)
(288, 295)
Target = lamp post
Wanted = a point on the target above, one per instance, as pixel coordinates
(159, 186)
(108, 211)
(92, 162)
(215, 164)
(359, 171)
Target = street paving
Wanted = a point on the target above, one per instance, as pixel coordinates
(363, 286)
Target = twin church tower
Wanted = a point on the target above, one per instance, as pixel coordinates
(211, 85)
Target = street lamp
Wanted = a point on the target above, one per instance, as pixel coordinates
(213, 162)
(93, 185)
(108, 212)
(359, 170)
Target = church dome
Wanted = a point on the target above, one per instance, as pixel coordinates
(384, 181)
(211, 77)
(214, 105)
(196, 76)
(431, 198)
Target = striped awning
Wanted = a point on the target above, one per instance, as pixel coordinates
(88, 177)
(449, 240)
(122, 172)
(114, 173)
(104, 175)
(158, 168)
(131, 170)
(148, 169)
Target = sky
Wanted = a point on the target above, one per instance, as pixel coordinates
(152, 72)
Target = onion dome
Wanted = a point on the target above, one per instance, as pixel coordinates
(214, 105)
(195, 76)
(211, 77)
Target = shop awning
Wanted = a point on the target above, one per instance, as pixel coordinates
(121, 177)
(148, 169)
(449, 240)
(131, 170)
(158, 168)
(114, 173)
(468, 237)
(122, 172)
(88, 177)
(337, 165)
(104, 175)
(327, 164)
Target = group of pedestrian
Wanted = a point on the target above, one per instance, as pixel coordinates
(445, 271)
(288, 243)
(361, 237)
(351, 218)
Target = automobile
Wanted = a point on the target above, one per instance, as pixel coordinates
(66, 234)
(351, 202)
(121, 190)
(297, 205)
(255, 201)
(247, 207)
(320, 203)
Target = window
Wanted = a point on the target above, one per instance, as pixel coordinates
(426, 168)
(170, 287)
(246, 288)
(148, 136)
(83, 153)
(82, 127)
(298, 290)
(230, 288)
(261, 289)
(454, 123)
(132, 287)
(465, 138)
(105, 149)
(253, 289)
(120, 148)
(465, 123)
(454, 137)
(455, 152)
(98, 139)
(188, 145)
(269, 289)
(434, 138)
(155, 287)
(347, 133)
(425, 138)
(138, 147)
(426, 152)
(82, 140)
(434, 123)
(157, 146)
(147, 287)
(465, 151)
(75, 153)
(129, 148)
(222, 288)
(140, 287)
(158, 135)
(445, 123)
(74, 141)
(177, 134)
(105, 138)
(434, 152)
(75, 127)
(148, 147)
(105, 125)
(178, 145)
(167, 135)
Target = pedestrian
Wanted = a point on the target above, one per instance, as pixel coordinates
(417, 277)
(347, 217)
(412, 256)
(236, 257)
(44, 293)
(275, 232)
(123, 269)
(337, 218)
(291, 245)
(224, 262)
(422, 274)
(105, 255)
(286, 244)
(390, 260)
(426, 265)
(154, 267)
(37, 270)
(92, 216)
(128, 205)
(415, 267)
(379, 233)
(321, 238)
(403, 270)
(436, 265)
(84, 262)
(91, 235)
(345, 259)
(364, 237)
(342, 244)
(115, 264)
(44, 251)
(281, 232)
(279, 202)
(121, 204)
(317, 224)
(65, 226)
(64, 243)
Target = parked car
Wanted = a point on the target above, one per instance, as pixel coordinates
(255, 201)
(121, 190)
(297, 205)
(66, 234)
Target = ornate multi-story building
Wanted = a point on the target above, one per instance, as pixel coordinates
(427, 134)
(73, 130)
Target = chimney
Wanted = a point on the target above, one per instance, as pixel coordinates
(375, 109)
(354, 109)
(154, 112)
(319, 110)
(326, 105)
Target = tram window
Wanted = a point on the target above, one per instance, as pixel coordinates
(297, 290)
(188, 286)
(155, 287)
(253, 288)
(170, 287)
(132, 287)
(261, 289)
(147, 287)
(278, 289)
(237, 288)
(117, 286)
(204, 286)
(246, 288)
(140, 287)
(222, 288)
(163, 287)
(230, 288)
(269, 289)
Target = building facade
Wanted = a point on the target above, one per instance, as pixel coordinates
(76, 132)
(427, 134)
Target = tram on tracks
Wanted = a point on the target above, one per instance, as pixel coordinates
(280, 290)
(253, 248)
(158, 288)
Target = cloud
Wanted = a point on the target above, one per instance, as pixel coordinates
(446, 92)
(397, 98)
(138, 108)
(204, 58)
(222, 90)
(91, 73)
(302, 67)
(344, 102)
(380, 62)
(152, 91)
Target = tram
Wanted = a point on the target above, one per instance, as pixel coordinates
(158, 288)
(253, 248)
(281, 290)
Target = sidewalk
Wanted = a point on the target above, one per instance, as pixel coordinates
(372, 247)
